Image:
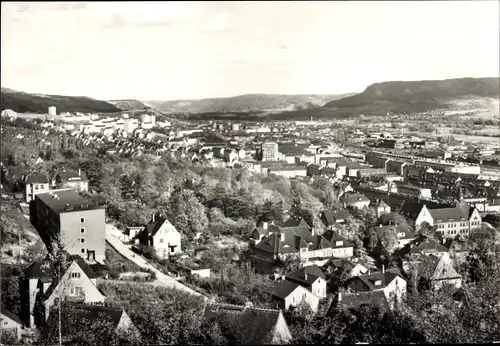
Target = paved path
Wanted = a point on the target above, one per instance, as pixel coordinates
(112, 235)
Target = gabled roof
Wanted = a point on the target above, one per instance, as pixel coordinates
(332, 216)
(36, 178)
(71, 175)
(333, 237)
(284, 288)
(246, 325)
(460, 212)
(7, 313)
(306, 275)
(437, 269)
(154, 227)
(74, 314)
(411, 208)
(378, 280)
(295, 222)
(356, 300)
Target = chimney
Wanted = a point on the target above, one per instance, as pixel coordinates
(383, 269)
(154, 215)
(264, 225)
(340, 296)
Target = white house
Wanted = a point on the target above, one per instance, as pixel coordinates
(163, 236)
(310, 277)
(10, 324)
(78, 283)
(290, 294)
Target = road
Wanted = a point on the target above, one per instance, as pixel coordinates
(112, 235)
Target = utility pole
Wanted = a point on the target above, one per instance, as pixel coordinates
(59, 323)
(20, 249)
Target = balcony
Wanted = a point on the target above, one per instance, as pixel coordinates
(77, 298)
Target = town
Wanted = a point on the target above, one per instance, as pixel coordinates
(249, 173)
(304, 218)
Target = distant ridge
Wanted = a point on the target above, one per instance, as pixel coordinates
(244, 103)
(415, 96)
(22, 102)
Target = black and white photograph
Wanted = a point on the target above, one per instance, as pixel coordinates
(250, 172)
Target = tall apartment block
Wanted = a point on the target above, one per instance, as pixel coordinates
(78, 222)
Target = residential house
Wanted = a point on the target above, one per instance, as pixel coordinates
(336, 266)
(247, 325)
(310, 277)
(355, 200)
(289, 294)
(391, 282)
(131, 233)
(458, 250)
(379, 207)
(161, 235)
(264, 230)
(77, 222)
(356, 300)
(10, 324)
(341, 247)
(75, 315)
(71, 179)
(450, 222)
(330, 218)
(435, 272)
(412, 252)
(45, 282)
(35, 183)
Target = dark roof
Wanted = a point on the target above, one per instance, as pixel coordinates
(153, 227)
(246, 325)
(71, 175)
(74, 314)
(284, 288)
(4, 311)
(36, 178)
(44, 269)
(295, 238)
(295, 222)
(332, 216)
(313, 273)
(356, 300)
(271, 228)
(412, 208)
(61, 201)
(457, 213)
(371, 279)
(333, 237)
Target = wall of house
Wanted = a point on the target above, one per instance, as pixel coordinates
(125, 323)
(452, 229)
(167, 234)
(396, 288)
(91, 294)
(343, 252)
(9, 326)
(455, 282)
(92, 231)
(475, 220)
(301, 295)
(77, 185)
(318, 288)
(34, 189)
(281, 333)
(45, 221)
(424, 216)
(202, 273)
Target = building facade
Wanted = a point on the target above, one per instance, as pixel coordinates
(77, 222)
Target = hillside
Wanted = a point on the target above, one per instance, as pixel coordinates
(244, 103)
(414, 96)
(126, 105)
(38, 103)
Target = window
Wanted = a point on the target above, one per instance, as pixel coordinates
(161, 240)
(303, 296)
(293, 300)
(75, 275)
(36, 187)
(82, 250)
(82, 230)
(82, 240)
(82, 220)
(76, 291)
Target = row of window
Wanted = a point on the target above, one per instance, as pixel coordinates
(454, 225)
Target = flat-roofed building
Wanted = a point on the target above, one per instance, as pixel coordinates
(78, 222)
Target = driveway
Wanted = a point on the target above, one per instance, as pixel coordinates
(112, 237)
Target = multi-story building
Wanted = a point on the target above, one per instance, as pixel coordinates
(78, 223)
(270, 151)
(450, 222)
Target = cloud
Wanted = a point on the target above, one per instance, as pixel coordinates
(221, 22)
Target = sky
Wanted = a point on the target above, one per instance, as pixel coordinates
(190, 50)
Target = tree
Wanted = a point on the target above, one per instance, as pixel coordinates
(389, 239)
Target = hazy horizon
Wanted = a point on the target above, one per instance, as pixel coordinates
(194, 50)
